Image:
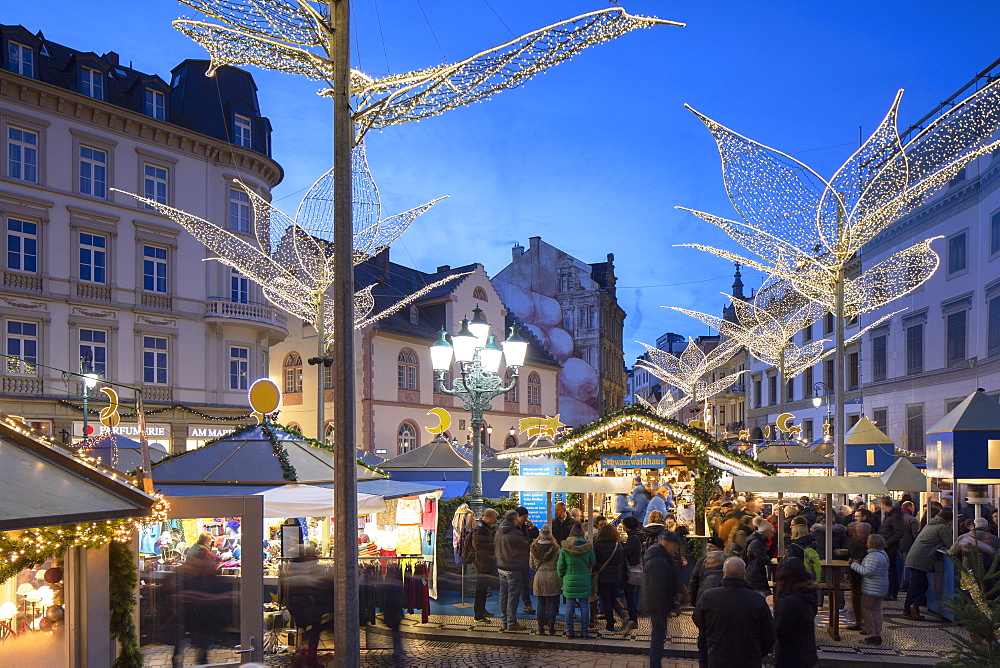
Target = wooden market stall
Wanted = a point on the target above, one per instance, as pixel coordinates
(635, 441)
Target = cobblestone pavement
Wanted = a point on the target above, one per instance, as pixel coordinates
(437, 654)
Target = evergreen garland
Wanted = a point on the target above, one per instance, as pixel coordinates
(976, 607)
(121, 597)
(158, 411)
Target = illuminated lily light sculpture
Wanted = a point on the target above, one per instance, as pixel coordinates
(688, 371)
(808, 230)
(293, 261)
(292, 36)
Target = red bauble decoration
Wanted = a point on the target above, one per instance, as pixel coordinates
(54, 575)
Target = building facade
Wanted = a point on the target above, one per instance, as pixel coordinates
(572, 309)
(90, 272)
(395, 385)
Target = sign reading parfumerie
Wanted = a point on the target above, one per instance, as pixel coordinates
(636, 462)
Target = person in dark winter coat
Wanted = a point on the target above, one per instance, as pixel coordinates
(757, 557)
(698, 573)
(709, 577)
(512, 560)
(530, 532)
(640, 499)
(795, 605)
(922, 558)
(484, 561)
(659, 588)
(892, 529)
(633, 556)
(737, 621)
(609, 556)
(857, 548)
(561, 523)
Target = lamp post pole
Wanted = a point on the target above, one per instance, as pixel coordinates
(817, 401)
(89, 380)
(479, 356)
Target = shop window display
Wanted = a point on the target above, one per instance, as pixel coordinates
(32, 617)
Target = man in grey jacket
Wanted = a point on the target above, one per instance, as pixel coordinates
(921, 560)
(512, 560)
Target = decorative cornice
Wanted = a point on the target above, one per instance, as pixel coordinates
(16, 303)
(51, 99)
(156, 321)
(79, 310)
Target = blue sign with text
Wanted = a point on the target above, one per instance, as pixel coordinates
(536, 502)
(636, 462)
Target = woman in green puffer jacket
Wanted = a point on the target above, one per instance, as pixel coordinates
(576, 561)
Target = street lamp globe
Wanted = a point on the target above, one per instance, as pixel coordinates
(465, 343)
(491, 355)
(479, 327)
(817, 401)
(515, 348)
(441, 352)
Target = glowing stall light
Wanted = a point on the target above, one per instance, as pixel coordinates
(292, 36)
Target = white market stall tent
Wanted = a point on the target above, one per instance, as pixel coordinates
(312, 501)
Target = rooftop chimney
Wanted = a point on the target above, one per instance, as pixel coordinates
(443, 268)
(111, 57)
(517, 251)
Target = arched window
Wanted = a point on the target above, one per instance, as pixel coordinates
(328, 432)
(510, 442)
(293, 373)
(534, 389)
(479, 294)
(406, 370)
(407, 437)
(295, 425)
(512, 395)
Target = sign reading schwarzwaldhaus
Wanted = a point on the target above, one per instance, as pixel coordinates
(636, 462)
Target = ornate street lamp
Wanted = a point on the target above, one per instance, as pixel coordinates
(818, 401)
(476, 350)
(90, 380)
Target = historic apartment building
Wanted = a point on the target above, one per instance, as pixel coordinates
(572, 309)
(90, 271)
(395, 385)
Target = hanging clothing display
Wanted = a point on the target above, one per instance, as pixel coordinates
(408, 511)
(461, 527)
(430, 518)
(390, 587)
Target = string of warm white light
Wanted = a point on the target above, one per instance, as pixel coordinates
(291, 36)
(689, 370)
(767, 327)
(806, 229)
(292, 260)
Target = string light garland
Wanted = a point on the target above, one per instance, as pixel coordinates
(292, 36)
(293, 260)
(767, 326)
(687, 371)
(159, 411)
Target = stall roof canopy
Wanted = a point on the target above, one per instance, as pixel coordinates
(288, 500)
(791, 455)
(397, 489)
(439, 455)
(575, 484)
(45, 485)
(129, 455)
(248, 456)
(864, 432)
(903, 476)
(977, 412)
(810, 484)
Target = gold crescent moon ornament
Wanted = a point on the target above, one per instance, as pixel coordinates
(782, 421)
(767, 431)
(264, 396)
(444, 421)
(258, 416)
(109, 414)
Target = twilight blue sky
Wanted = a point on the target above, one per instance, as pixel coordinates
(594, 155)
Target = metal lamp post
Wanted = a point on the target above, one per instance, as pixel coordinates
(476, 350)
(90, 380)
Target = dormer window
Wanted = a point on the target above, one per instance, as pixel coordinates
(241, 131)
(156, 104)
(20, 59)
(92, 83)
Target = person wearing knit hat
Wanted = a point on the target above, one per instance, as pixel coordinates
(980, 540)
(547, 586)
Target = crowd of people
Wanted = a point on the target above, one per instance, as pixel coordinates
(745, 602)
